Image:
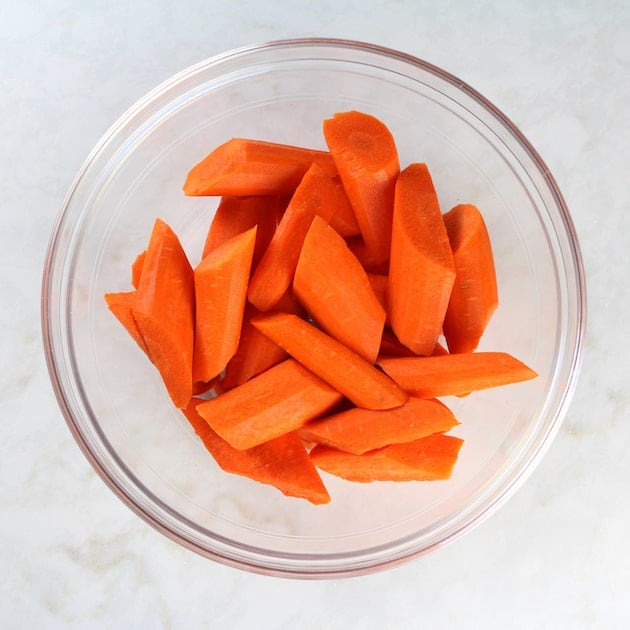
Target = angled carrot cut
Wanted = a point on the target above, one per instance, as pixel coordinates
(333, 362)
(244, 167)
(359, 430)
(366, 158)
(281, 462)
(121, 305)
(334, 288)
(136, 268)
(277, 401)
(430, 458)
(421, 268)
(474, 296)
(220, 289)
(319, 193)
(455, 374)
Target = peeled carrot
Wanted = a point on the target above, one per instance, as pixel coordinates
(474, 295)
(455, 374)
(164, 311)
(343, 221)
(391, 347)
(281, 462)
(359, 430)
(319, 193)
(236, 215)
(277, 401)
(368, 261)
(366, 158)
(121, 305)
(421, 269)
(136, 268)
(242, 167)
(334, 288)
(430, 458)
(221, 289)
(333, 362)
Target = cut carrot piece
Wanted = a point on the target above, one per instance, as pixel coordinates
(367, 161)
(474, 296)
(221, 289)
(357, 246)
(121, 305)
(391, 347)
(236, 215)
(421, 269)
(333, 287)
(282, 462)
(164, 311)
(277, 401)
(359, 430)
(343, 221)
(454, 374)
(333, 362)
(429, 458)
(136, 268)
(244, 167)
(319, 193)
(378, 282)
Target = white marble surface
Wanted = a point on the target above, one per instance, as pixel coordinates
(555, 556)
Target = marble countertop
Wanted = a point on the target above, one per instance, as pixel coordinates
(557, 555)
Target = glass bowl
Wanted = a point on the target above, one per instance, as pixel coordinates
(114, 401)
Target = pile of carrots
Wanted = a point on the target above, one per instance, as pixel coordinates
(307, 337)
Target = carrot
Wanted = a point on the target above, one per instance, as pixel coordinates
(359, 430)
(319, 193)
(343, 221)
(429, 458)
(136, 268)
(474, 295)
(454, 374)
(391, 347)
(366, 158)
(357, 246)
(243, 167)
(421, 269)
(121, 305)
(220, 289)
(282, 462)
(236, 215)
(164, 311)
(333, 287)
(333, 362)
(277, 401)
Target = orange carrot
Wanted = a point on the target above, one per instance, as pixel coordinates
(281, 462)
(333, 287)
(121, 305)
(454, 374)
(421, 269)
(220, 289)
(236, 215)
(277, 401)
(357, 246)
(391, 347)
(319, 193)
(359, 430)
(474, 296)
(367, 161)
(333, 362)
(430, 458)
(164, 311)
(343, 221)
(243, 167)
(136, 268)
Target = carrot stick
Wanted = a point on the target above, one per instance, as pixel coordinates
(421, 269)
(455, 374)
(391, 347)
(357, 246)
(367, 161)
(243, 167)
(333, 287)
(277, 401)
(474, 296)
(281, 462)
(319, 193)
(121, 305)
(333, 362)
(136, 268)
(164, 311)
(236, 215)
(359, 430)
(220, 288)
(343, 221)
(430, 458)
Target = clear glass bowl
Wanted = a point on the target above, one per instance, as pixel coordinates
(114, 401)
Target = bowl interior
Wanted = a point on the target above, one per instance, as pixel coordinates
(114, 399)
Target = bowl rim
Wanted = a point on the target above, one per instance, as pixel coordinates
(543, 440)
